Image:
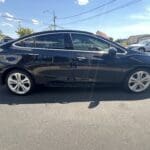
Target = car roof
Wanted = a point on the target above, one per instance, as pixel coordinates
(60, 31)
(47, 32)
(56, 31)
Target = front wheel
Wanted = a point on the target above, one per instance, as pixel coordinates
(142, 49)
(19, 82)
(138, 81)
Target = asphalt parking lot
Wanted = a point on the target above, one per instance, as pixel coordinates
(75, 119)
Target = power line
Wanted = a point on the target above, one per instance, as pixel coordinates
(54, 17)
(105, 12)
(90, 10)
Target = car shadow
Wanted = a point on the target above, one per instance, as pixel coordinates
(72, 95)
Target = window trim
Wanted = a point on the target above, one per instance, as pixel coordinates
(73, 50)
(89, 37)
(99, 38)
(30, 48)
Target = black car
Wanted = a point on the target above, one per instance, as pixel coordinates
(71, 58)
(6, 39)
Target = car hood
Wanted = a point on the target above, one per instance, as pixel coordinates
(136, 45)
(140, 57)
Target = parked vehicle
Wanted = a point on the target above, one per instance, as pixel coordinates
(142, 46)
(5, 40)
(71, 58)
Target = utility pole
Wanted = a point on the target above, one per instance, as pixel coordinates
(54, 20)
(52, 25)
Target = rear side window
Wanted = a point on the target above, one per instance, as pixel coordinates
(29, 42)
(49, 41)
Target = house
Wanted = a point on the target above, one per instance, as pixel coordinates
(102, 34)
(136, 38)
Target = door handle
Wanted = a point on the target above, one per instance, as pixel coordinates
(81, 58)
(98, 57)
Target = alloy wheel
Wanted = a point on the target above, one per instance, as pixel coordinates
(139, 81)
(19, 83)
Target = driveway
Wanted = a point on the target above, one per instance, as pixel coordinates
(75, 119)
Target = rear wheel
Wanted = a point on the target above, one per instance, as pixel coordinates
(19, 82)
(138, 81)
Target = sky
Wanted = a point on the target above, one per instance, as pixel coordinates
(37, 14)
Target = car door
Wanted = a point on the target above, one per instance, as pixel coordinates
(52, 60)
(92, 62)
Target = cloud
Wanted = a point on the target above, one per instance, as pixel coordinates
(128, 30)
(148, 9)
(140, 25)
(2, 1)
(140, 16)
(35, 22)
(7, 24)
(145, 15)
(8, 16)
(82, 2)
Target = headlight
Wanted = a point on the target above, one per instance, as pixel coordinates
(133, 48)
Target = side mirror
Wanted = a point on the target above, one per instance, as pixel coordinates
(112, 51)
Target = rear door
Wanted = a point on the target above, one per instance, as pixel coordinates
(52, 60)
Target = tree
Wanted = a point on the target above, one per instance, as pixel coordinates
(22, 31)
(111, 39)
(1, 35)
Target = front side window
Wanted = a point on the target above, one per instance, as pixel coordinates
(49, 41)
(88, 43)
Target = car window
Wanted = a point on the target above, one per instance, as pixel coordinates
(148, 44)
(49, 41)
(29, 42)
(88, 43)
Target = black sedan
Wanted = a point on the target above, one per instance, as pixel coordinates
(71, 58)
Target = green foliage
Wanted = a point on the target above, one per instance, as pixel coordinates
(123, 42)
(1, 35)
(111, 39)
(21, 31)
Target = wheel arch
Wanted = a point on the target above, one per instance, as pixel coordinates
(142, 48)
(4, 75)
(134, 69)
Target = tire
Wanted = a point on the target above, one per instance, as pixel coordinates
(141, 49)
(137, 81)
(19, 82)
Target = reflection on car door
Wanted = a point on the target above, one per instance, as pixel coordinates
(54, 59)
(148, 46)
(91, 60)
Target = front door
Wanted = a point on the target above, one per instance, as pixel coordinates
(92, 63)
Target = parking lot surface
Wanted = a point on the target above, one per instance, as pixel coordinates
(75, 119)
